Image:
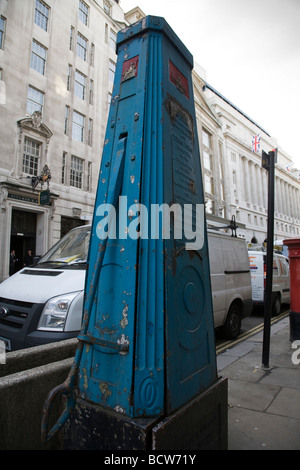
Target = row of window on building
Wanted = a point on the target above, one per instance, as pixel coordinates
(83, 88)
(76, 172)
(42, 13)
(287, 196)
(42, 17)
(82, 127)
(76, 125)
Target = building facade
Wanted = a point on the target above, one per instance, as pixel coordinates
(235, 182)
(57, 63)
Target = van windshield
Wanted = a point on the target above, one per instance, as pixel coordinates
(71, 250)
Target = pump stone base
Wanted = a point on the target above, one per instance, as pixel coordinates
(201, 424)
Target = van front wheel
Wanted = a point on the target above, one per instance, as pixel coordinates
(232, 327)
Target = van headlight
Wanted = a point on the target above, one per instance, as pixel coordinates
(55, 312)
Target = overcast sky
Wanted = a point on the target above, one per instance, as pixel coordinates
(250, 50)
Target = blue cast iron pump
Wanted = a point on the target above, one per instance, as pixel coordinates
(147, 342)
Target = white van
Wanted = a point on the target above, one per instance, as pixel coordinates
(44, 303)
(230, 282)
(281, 279)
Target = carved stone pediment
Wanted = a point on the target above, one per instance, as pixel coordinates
(34, 123)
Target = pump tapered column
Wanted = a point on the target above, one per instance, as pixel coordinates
(148, 364)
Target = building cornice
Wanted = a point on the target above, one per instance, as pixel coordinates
(209, 87)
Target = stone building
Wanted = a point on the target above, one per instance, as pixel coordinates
(57, 63)
(235, 182)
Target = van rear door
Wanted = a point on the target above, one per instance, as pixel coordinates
(257, 277)
(236, 267)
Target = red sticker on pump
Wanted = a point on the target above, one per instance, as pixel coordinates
(130, 68)
(178, 79)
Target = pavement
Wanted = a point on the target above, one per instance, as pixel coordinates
(263, 402)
